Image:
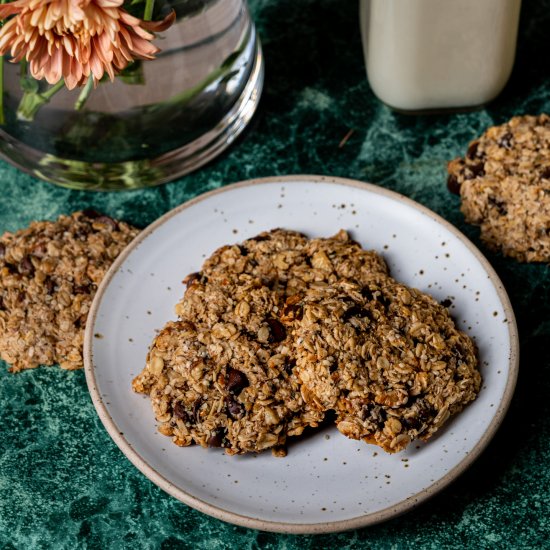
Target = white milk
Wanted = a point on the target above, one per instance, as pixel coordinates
(438, 54)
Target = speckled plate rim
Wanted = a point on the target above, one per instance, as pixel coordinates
(302, 528)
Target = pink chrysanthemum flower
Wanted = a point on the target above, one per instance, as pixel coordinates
(73, 39)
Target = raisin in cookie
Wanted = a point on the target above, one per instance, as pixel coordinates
(223, 389)
(49, 273)
(386, 357)
(504, 184)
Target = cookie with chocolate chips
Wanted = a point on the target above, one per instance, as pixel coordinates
(283, 263)
(504, 183)
(49, 273)
(237, 300)
(221, 388)
(386, 357)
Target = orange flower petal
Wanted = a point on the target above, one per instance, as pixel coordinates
(72, 39)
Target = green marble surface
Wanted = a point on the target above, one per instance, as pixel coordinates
(64, 483)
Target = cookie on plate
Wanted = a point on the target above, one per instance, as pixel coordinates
(49, 273)
(386, 357)
(504, 184)
(282, 262)
(243, 284)
(235, 301)
(221, 388)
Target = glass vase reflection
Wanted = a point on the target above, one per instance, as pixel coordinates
(158, 120)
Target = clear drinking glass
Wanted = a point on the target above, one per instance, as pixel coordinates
(160, 120)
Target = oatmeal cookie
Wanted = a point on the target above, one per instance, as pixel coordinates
(282, 262)
(220, 388)
(504, 184)
(386, 357)
(49, 273)
(237, 299)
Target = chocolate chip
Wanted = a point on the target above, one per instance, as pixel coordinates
(474, 171)
(292, 311)
(49, 285)
(411, 423)
(25, 267)
(217, 437)
(91, 213)
(108, 221)
(82, 231)
(192, 278)
(236, 381)
(506, 141)
(366, 292)
(447, 302)
(2, 306)
(453, 185)
(355, 311)
(472, 150)
(2, 250)
(84, 289)
(243, 250)
(384, 300)
(180, 412)
(545, 175)
(289, 365)
(478, 169)
(425, 413)
(498, 204)
(234, 408)
(278, 332)
(197, 410)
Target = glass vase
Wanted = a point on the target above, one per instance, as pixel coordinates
(158, 120)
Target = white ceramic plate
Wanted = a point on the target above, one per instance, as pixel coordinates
(327, 482)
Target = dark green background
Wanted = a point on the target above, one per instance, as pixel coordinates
(64, 484)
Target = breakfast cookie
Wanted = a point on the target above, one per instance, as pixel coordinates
(242, 306)
(49, 273)
(223, 389)
(504, 184)
(280, 262)
(386, 357)
(243, 284)
(235, 304)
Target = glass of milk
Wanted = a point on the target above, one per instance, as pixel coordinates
(424, 55)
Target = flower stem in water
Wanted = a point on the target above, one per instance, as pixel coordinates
(32, 101)
(148, 14)
(85, 93)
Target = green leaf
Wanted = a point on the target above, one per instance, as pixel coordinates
(132, 74)
(29, 84)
